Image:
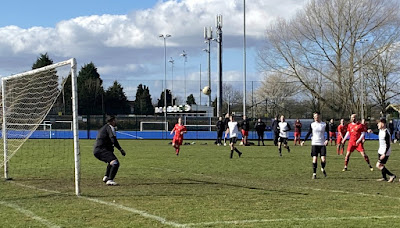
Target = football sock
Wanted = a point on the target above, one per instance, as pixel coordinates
(108, 170)
(231, 153)
(323, 164)
(387, 171)
(114, 170)
(314, 165)
(346, 161)
(237, 150)
(384, 174)
(366, 158)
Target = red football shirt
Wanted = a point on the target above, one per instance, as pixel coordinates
(342, 129)
(355, 130)
(178, 129)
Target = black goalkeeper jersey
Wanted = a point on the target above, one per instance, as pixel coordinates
(106, 139)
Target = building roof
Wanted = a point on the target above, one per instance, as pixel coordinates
(395, 107)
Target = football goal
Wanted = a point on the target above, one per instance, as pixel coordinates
(153, 126)
(27, 99)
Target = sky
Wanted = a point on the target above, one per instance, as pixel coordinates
(121, 38)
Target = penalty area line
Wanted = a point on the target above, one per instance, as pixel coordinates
(119, 206)
(350, 193)
(29, 214)
(135, 211)
(290, 220)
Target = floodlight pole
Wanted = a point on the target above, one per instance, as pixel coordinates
(208, 38)
(244, 57)
(165, 79)
(184, 55)
(362, 41)
(172, 79)
(218, 25)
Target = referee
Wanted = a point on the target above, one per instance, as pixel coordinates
(106, 140)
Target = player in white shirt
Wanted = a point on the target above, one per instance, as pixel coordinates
(283, 128)
(384, 150)
(318, 130)
(233, 133)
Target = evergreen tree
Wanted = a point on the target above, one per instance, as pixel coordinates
(160, 102)
(142, 103)
(190, 100)
(90, 90)
(42, 61)
(116, 101)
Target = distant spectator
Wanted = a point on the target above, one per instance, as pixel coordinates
(260, 128)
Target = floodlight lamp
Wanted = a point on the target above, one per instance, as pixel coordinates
(168, 35)
(161, 35)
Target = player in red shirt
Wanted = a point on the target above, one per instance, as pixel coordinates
(179, 130)
(297, 132)
(356, 132)
(365, 125)
(341, 130)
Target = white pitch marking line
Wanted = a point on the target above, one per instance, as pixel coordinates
(351, 193)
(290, 220)
(164, 221)
(30, 214)
(133, 210)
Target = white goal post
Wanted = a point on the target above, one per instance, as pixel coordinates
(27, 98)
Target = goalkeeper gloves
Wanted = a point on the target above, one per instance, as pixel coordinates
(123, 152)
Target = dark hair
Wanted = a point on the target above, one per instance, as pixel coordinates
(110, 118)
(382, 120)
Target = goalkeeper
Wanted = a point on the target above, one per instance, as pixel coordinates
(106, 140)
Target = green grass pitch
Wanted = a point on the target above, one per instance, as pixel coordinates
(201, 187)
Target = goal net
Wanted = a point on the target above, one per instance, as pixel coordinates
(27, 99)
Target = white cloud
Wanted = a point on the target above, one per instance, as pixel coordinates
(129, 46)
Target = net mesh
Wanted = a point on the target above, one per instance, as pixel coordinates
(27, 99)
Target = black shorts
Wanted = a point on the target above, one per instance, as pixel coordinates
(383, 161)
(282, 140)
(233, 140)
(315, 150)
(105, 155)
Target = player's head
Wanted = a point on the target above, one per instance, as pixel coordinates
(342, 121)
(363, 121)
(382, 123)
(259, 120)
(297, 121)
(244, 117)
(317, 116)
(220, 118)
(180, 120)
(227, 115)
(331, 120)
(111, 120)
(353, 118)
(282, 118)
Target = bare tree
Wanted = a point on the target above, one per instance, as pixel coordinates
(322, 42)
(277, 89)
(383, 78)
